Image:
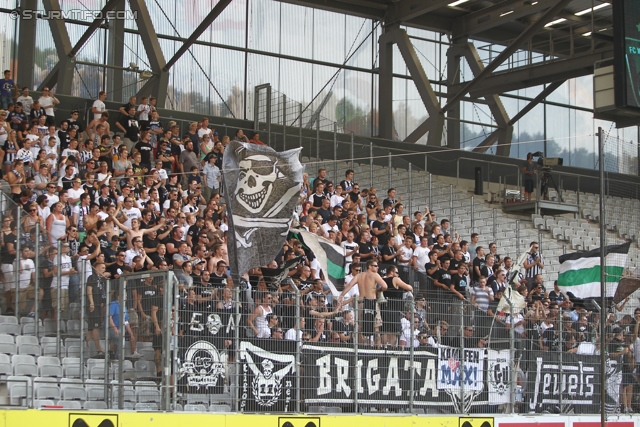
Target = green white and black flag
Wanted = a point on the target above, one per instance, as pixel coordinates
(262, 188)
(580, 271)
(330, 256)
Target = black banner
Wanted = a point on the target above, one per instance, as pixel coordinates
(267, 376)
(332, 375)
(559, 387)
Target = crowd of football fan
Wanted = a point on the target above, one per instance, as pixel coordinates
(141, 196)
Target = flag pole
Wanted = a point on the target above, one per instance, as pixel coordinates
(603, 293)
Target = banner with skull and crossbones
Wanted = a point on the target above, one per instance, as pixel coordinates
(262, 189)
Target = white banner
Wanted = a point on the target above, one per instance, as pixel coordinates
(499, 376)
(450, 368)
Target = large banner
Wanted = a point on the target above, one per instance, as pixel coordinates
(575, 386)
(267, 376)
(335, 375)
(262, 189)
(446, 378)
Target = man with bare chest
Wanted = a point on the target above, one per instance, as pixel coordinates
(367, 282)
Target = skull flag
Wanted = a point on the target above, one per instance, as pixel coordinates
(262, 188)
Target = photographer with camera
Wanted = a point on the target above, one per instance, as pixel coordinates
(534, 263)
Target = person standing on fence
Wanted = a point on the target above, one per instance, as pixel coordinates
(367, 288)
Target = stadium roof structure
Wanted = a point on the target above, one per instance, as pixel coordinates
(535, 42)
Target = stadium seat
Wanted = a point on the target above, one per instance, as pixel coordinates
(325, 409)
(128, 392)
(49, 366)
(27, 339)
(195, 408)
(24, 365)
(6, 338)
(69, 404)
(41, 403)
(46, 388)
(10, 328)
(50, 349)
(147, 391)
(5, 366)
(20, 389)
(8, 348)
(31, 349)
(145, 370)
(95, 389)
(194, 399)
(96, 368)
(72, 389)
(71, 367)
(219, 408)
(95, 405)
(146, 407)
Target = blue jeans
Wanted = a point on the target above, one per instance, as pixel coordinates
(4, 101)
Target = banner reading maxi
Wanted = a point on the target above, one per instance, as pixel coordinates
(576, 384)
(332, 375)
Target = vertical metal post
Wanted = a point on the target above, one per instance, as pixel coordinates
(175, 322)
(517, 238)
(370, 164)
(410, 207)
(236, 343)
(356, 339)
(430, 188)
(300, 125)
(58, 297)
(562, 350)
(170, 284)
(256, 107)
(495, 223)
(268, 118)
(107, 365)
(335, 154)
(284, 122)
(121, 341)
(298, 349)
(390, 166)
(317, 138)
(18, 265)
(38, 273)
(352, 141)
(514, 372)
(83, 290)
(450, 202)
(412, 374)
(603, 290)
(284, 109)
(461, 349)
(473, 213)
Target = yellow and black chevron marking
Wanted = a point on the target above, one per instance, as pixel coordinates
(476, 422)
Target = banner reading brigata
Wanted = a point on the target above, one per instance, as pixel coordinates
(334, 375)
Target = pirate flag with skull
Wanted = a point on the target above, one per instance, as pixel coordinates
(262, 188)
